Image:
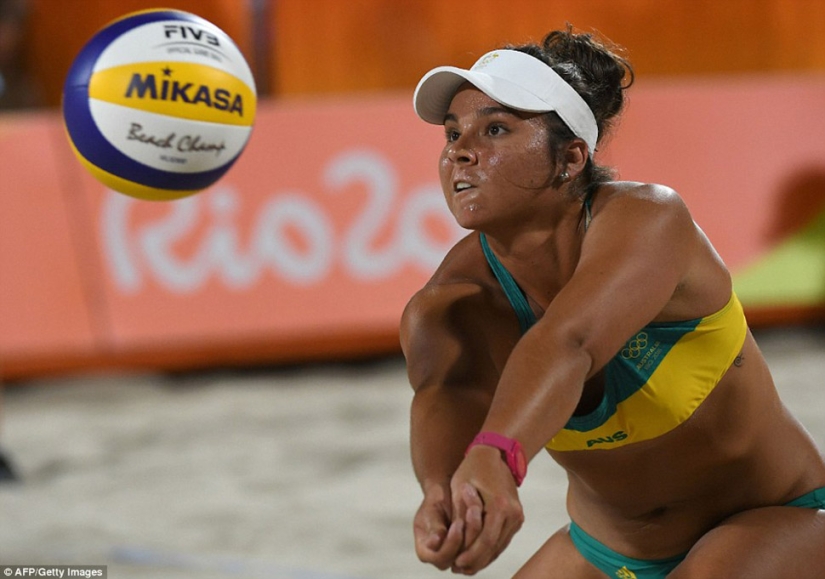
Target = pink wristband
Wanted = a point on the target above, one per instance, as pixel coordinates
(512, 452)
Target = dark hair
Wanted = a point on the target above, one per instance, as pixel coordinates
(600, 75)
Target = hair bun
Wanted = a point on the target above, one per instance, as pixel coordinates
(594, 68)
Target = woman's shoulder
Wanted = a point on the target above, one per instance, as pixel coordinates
(638, 191)
(459, 326)
(462, 274)
(463, 267)
(654, 201)
(462, 290)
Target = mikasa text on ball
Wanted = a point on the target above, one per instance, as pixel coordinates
(159, 104)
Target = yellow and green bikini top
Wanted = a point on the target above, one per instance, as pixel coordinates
(655, 382)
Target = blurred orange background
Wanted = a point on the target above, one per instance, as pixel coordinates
(306, 47)
(310, 246)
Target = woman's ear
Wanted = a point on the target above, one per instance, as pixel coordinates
(575, 157)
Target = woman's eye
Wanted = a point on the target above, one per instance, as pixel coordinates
(494, 130)
(452, 136)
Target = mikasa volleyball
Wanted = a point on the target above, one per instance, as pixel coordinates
(159, 104)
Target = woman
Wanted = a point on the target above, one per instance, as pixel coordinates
(594, 318)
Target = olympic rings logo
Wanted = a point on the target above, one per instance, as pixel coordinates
(634, 348)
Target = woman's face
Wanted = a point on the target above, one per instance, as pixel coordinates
(496, 161)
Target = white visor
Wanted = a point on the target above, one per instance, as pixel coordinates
(514, 79)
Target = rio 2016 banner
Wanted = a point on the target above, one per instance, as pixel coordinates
(333, 217)
(307, 249)
(341, 248)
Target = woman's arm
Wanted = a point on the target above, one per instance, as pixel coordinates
(639, 248)
(454, 363)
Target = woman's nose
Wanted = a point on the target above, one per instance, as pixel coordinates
(461, 151)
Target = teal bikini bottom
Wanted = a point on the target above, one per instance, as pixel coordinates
(617, 565)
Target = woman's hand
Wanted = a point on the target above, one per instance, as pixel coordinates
(485, 498)
(438, 538)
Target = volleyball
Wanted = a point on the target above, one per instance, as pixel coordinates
(159, 104)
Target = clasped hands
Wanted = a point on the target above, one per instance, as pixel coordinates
(465, 523)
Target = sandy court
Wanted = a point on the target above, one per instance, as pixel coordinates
(293, 473)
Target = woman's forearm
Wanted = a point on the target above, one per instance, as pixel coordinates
(443, 422)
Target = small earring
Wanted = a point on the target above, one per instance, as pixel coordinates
(565, 177)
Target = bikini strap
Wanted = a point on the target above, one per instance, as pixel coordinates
(525, 315)
(588, 210)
